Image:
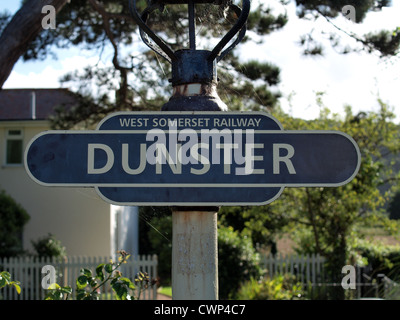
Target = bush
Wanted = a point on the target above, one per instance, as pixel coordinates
(381, 259)
(49, 247)
(237, 261)
(280, 287)
(237, 258)
(12, 220)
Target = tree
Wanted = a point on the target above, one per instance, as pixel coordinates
(20, 31)
(386, 42)
(106, 26)
(261, 224)
(328, 221)
(331, 217)
(12, 220)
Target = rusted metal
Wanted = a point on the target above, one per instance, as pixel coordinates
(195, 97)
(194, 81)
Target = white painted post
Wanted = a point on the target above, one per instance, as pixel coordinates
(194, 255)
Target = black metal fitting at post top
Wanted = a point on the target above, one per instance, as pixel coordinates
(194, 72)
(191, 65)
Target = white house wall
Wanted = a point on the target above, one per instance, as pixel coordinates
(77, 217)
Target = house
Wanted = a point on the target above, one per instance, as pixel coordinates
(84, 223)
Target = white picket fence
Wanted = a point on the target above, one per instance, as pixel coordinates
(307, 268)
(28, 271)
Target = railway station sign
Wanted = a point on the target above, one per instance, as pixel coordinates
(191, 158)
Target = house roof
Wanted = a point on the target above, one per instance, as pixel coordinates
(33, 104)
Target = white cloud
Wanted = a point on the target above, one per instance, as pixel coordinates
(355, 79)
(45, 74)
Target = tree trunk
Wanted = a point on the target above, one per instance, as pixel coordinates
(24, 27)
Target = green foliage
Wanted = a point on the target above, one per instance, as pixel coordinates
(263, 21)
(329, 216)
(386, 42)
(260, 223)
(139, 81)
(48, 247)
(280, 287)
(237, 260)
(56, 292)
(156, 238)
(332, 8)
(5, 280)
(254, 70)
(380, 258)
(394, 207)
(88, 285)
(13, 217)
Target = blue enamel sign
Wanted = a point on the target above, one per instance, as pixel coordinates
(201, 158)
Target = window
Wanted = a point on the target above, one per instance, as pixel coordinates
(14, 147)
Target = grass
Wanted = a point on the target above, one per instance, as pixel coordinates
(165, 291)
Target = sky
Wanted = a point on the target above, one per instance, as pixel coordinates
(356, 79)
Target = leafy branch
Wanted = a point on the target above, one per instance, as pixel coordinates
(88, 285)
(5, 280)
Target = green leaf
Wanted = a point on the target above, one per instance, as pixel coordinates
(54, 286)
(108, 267)
(93, 282)
(86, 272)
(5, 275)
(81, 295)
(17, 287)
(99, 271)
(81, 282)
(121, 291)
(53, 295)
(67, 290)
(127, 282)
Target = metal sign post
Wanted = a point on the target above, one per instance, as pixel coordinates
(194, 79)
